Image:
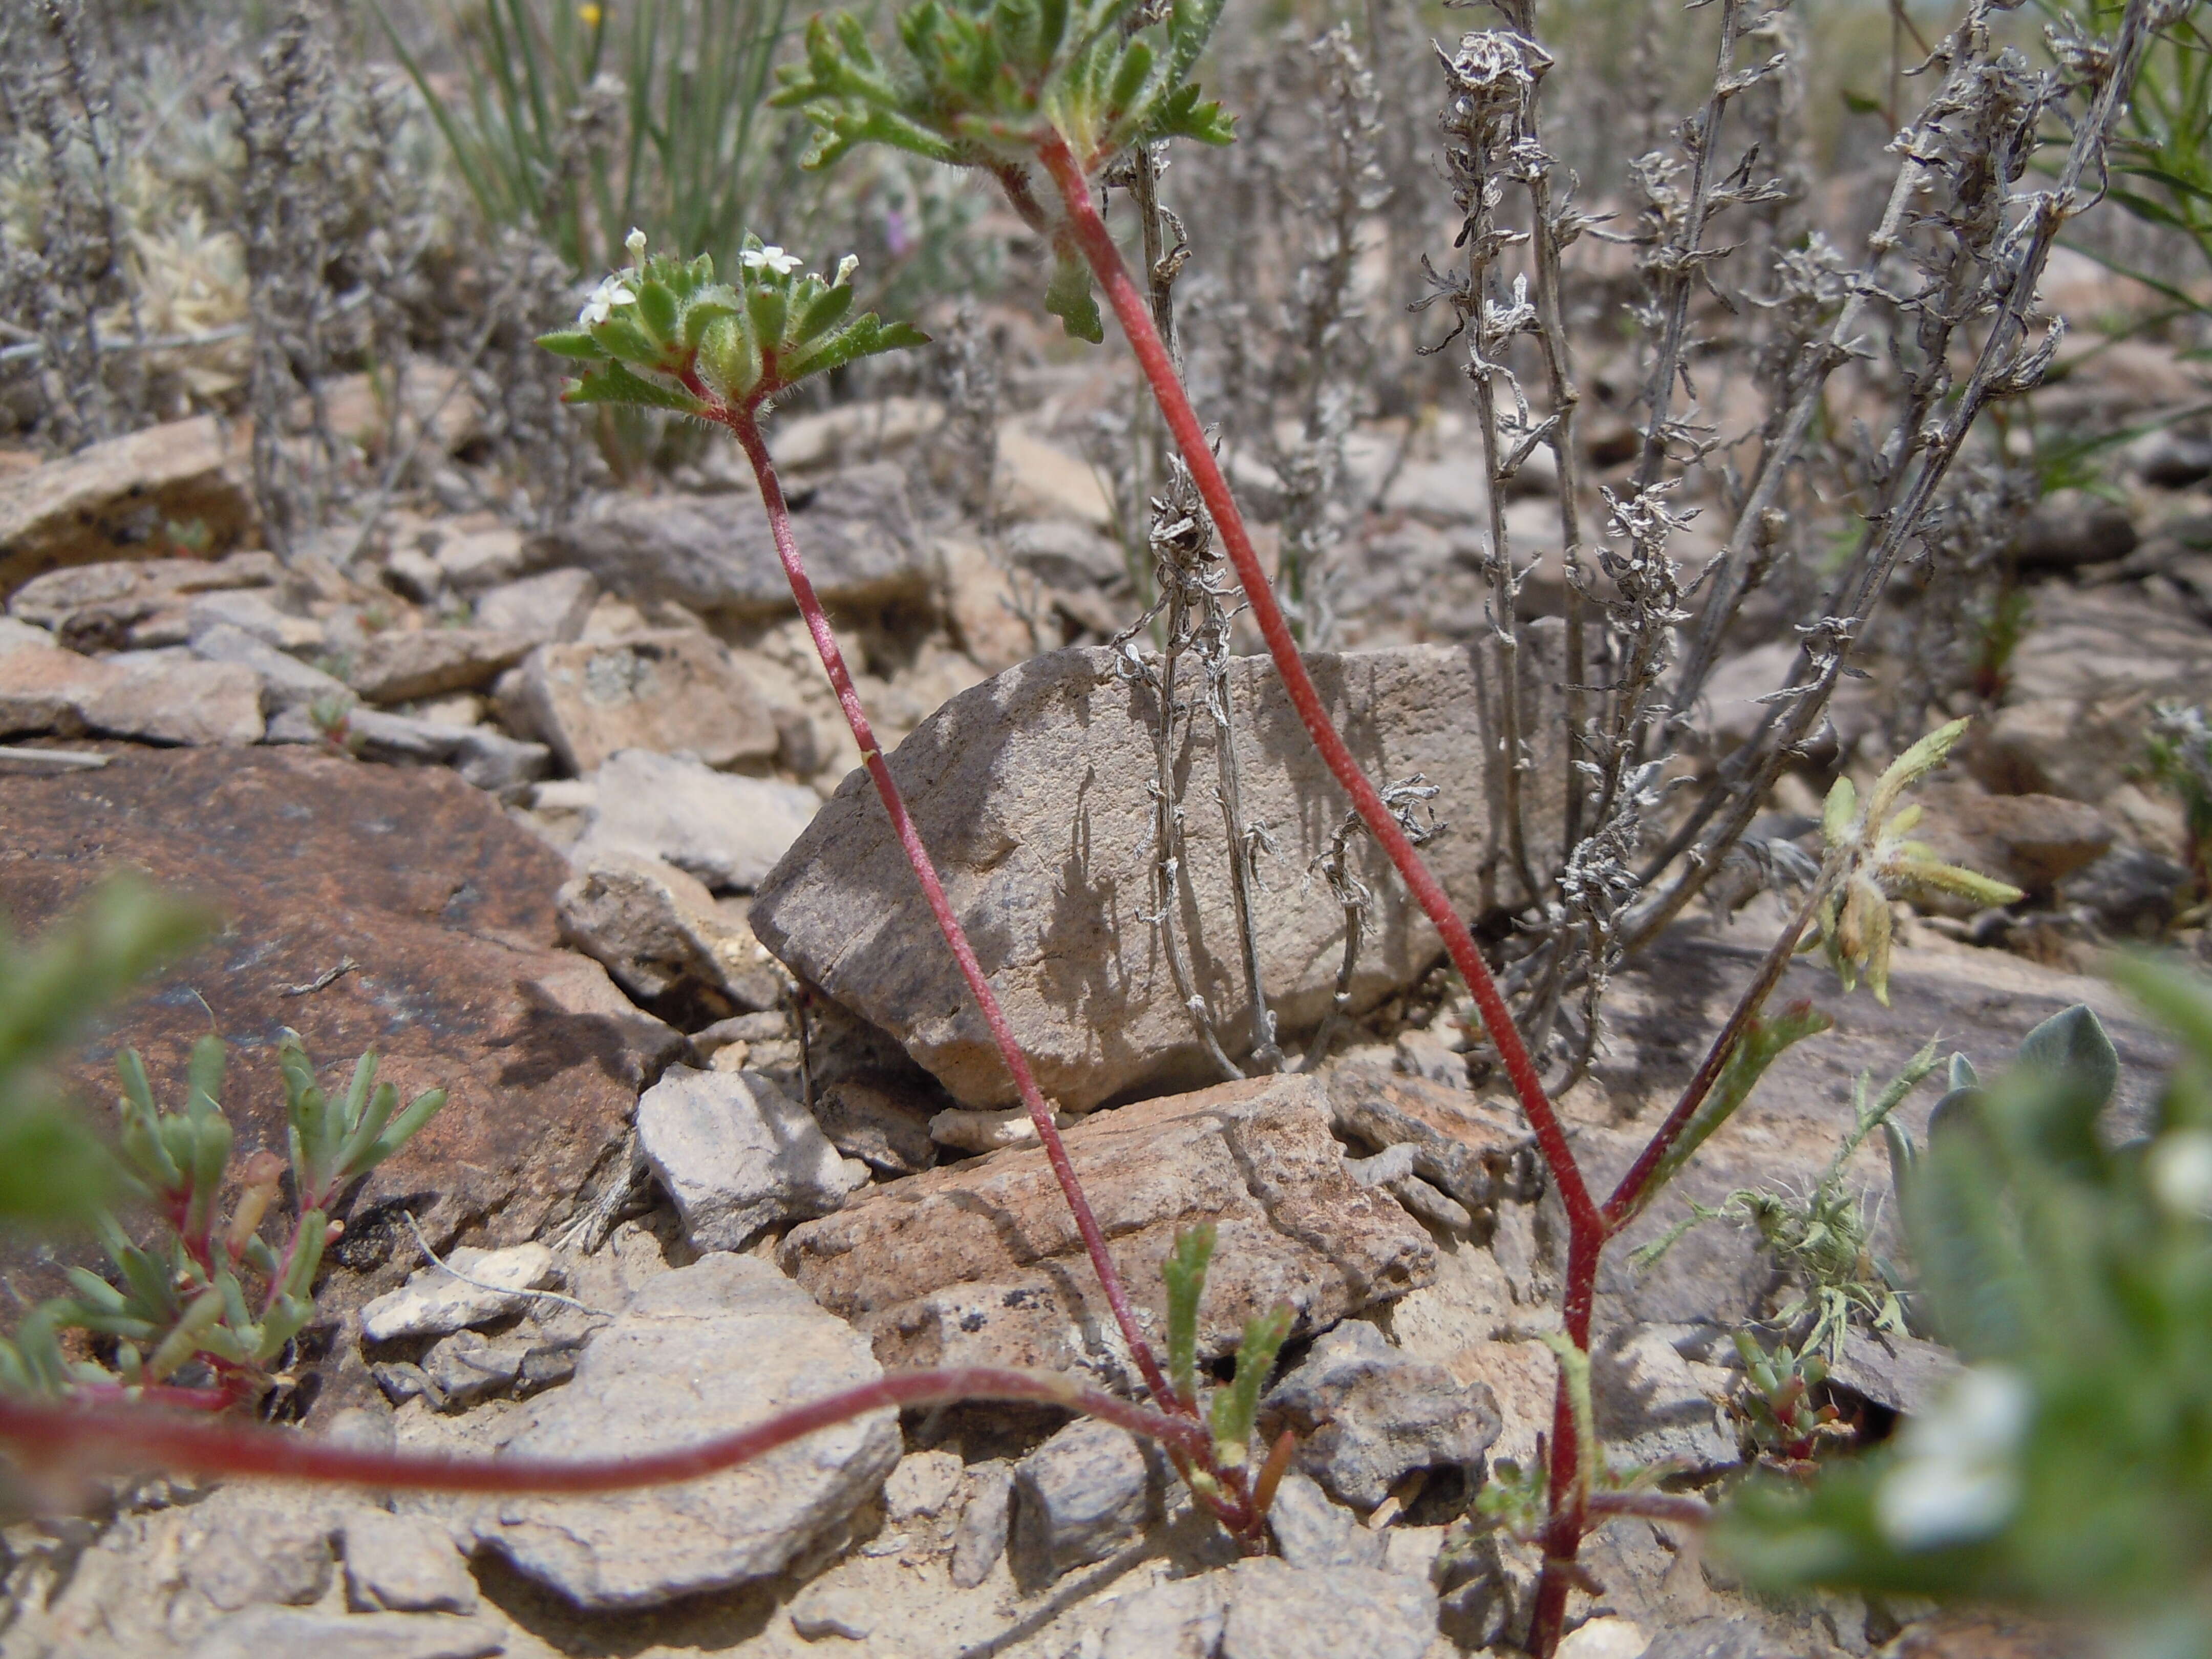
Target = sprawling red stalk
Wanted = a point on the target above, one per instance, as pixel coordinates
(59, 1444)
(1589, 1226)
(742, 423)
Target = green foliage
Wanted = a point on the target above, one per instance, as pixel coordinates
(992, 84)
(1822, 1239)
(2070, 1467)
(185, 1298)
(1184, 1273)
(1876, 862)
(687, 144)
(662, 333)
(51, 1170)
(1787, 1431)
(1233, 1410)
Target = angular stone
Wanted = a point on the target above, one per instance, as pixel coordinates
(1367, 1415)
(92, 606)
(436, 909)
(434, 1302)
(1901, 1373)
(713, 553)
(846, 1610)
(487, 759)
(248, 608)
(981, 1263)
(258, 1632)
(1039, 480)
(575, 991)
(727, 830)
(118, 498)
(404, 1564)
(1651, 1406)
(23, 636)
(1276, 1612)
(478, 558)
(672, 690)
(397, 665)
(465, 1367)
(980, 1538)
(1077, 1498)
(1179, 1619)
(1063, 555)
(1033, 794)
(552, 606)
(286, 682)
(702, 1350)
(256, 1555)
(923, 1485)
(658, 931)
(1312, 1531)
(876, 1122)
(193, 703)
(737, 1153)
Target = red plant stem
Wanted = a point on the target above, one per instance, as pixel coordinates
(1135, 317)
(742, 423)
(67, 1442)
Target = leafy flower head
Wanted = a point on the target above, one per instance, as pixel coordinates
(662, 333)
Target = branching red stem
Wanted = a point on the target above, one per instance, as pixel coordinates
(1135, 316)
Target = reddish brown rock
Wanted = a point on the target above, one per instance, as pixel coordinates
(424, 662)
(980, 1264)
(127, 498)
(2033, 841)
(440, 911)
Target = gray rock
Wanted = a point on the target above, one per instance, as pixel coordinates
(1719, 1638)
(1367, 1415)
(1060, 553)
(826, 1609)
(2070, 528)
(673, 691)
(490, 760)
(1903, 1373)
(1077, 1498)
(286, 682)
(1429, 1054)
(23, 636)
(1181, 1619)
(878, 1122)
(261, 1632)
(1652, 1407)
(465, 1368)
(2171, 459)
(255, 1555)
(92, 606)
(1033, 794)
(980, 1538)
(253, 609)
(1310, 1531)
(478, 558)
(404, 1564)
(737, 1153)
(658, 932)
(546, 609)
(702, 1350)
(923, 1485)
(397, 665)
(715, 553)
(433, 1302)
(1277, 1612)
(2130, 888)
(727, 831)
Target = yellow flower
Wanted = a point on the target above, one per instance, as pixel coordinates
(591, 15)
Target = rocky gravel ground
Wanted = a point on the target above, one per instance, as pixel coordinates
(567, 823)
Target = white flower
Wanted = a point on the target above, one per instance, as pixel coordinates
(612, 291)
(846, 267)
(1958, 1480)
(2180, 1171)
(770, 257)
(635, 243)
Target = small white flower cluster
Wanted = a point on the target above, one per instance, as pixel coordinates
(614, 290)
(770, 257)
(1958, 1480)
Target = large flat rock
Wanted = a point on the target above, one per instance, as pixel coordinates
(704, 1351)
(981, 1263)
(443, 911)
(1034, 794)
(713, 553)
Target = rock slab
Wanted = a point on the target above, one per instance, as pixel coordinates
(1077, 1498)
(727, 831)
(737, 1153)
(674, 690)
(981, 1264)
(1033, 791)
(703, 1350)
